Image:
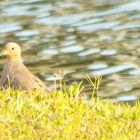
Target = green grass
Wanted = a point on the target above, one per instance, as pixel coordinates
(62, 115)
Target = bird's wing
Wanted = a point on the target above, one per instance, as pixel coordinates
(28, 81)
(21, 77)
(8, 81)
(4, 76)
(40, 84)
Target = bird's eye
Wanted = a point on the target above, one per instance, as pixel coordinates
(12, 48)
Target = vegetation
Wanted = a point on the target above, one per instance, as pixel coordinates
(66, 115)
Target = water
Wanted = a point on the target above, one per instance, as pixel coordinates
(78, 37)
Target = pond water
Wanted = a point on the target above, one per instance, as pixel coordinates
(78, 37)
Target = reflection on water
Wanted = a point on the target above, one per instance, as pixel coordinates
(94, 37)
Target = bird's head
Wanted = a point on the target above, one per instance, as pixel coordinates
(12, 50)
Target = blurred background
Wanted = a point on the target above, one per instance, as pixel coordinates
(78, 37)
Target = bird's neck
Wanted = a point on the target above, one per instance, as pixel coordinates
(14, 61)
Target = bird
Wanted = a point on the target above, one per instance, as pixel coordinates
(16, 75)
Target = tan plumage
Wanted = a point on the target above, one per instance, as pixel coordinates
(15, 74)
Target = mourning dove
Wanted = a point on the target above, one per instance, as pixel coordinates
(15, 74)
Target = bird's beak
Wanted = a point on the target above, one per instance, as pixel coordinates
(3, 53)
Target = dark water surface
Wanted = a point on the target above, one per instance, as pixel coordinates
(78, 37)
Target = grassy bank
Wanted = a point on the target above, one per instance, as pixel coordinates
(62, 115)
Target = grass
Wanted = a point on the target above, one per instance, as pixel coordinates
(64, 116)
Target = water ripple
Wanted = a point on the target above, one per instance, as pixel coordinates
(27, 33)
(113, 69)
(10, 27)
(108, 52)
(100, 26)
(89, 52)
(72, 49)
